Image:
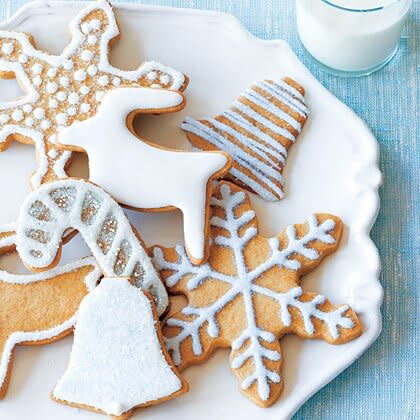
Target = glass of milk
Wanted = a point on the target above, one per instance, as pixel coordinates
(351, 37)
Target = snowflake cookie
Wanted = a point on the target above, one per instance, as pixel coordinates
(257, 132)
(39, 308)
(248, 294)
(62, 89)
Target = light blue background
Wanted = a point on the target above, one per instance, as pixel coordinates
(384, 382)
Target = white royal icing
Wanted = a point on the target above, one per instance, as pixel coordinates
(245, 133)
(117, 362)
(245, 284)
(17, 337)
(36, 78)
(66, 202)
(145, 176)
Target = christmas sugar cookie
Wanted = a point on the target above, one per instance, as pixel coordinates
(248, 294)
(118, 361)
(145, 176)
(56, 207)
(62, 89)
(39, 308)
(257, 131)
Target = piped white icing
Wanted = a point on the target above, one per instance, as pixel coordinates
(42, 67)
(22, 279)
(242, 130)
(117, 362)
(245, 283)
(77, 204)
(145, 176)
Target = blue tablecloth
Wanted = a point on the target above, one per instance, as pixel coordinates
(384, 382)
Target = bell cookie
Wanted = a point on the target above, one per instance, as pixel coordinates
(145, 176)
(39, 308)
(118, 360)
(248, 294)
(56, 207)
(257, 132)
(62, 89)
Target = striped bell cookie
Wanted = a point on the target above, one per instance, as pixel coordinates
(256, 131)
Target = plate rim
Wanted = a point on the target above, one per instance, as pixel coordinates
(371, 167)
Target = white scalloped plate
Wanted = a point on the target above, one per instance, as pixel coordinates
(332, 168)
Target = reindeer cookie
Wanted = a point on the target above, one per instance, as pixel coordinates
(247, 296)
(62, 89)
(141, 175)
(257, 131)
(39, 308)
(54, 208)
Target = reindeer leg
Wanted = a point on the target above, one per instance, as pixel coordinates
(195, 227)
(6, 362)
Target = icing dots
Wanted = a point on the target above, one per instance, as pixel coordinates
(86, 55)
(97, 136)
(51, 87)
(29, 122)
(27, 108)
(64, 81)
(7, 48)
(4, 118)
(23, 58)
(103, 80)
(37, 68)
(37, 81)
(45, 125)
(61, 118)
(80, 75)
(49, 80)
(61, 96)
(55, 207)
(39, 113)
(84, 107)
(52, 72)
(17, 115)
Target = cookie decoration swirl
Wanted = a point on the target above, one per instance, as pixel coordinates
(257, 132)
(62, 89)
(248, 294)
(51, 210)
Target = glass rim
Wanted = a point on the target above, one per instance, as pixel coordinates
(333, 3)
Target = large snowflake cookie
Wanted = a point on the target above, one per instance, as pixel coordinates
(257, 131)
(56, 207)
(141, 175)
(62, 89)
(248, 295)
(39, 308)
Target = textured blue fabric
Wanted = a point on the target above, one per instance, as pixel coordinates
(384, 382)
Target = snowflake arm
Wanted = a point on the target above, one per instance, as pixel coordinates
(256, 357)
(301, 248)
(176, 263)
(188, 323)
(318, 317)
(256, 361)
